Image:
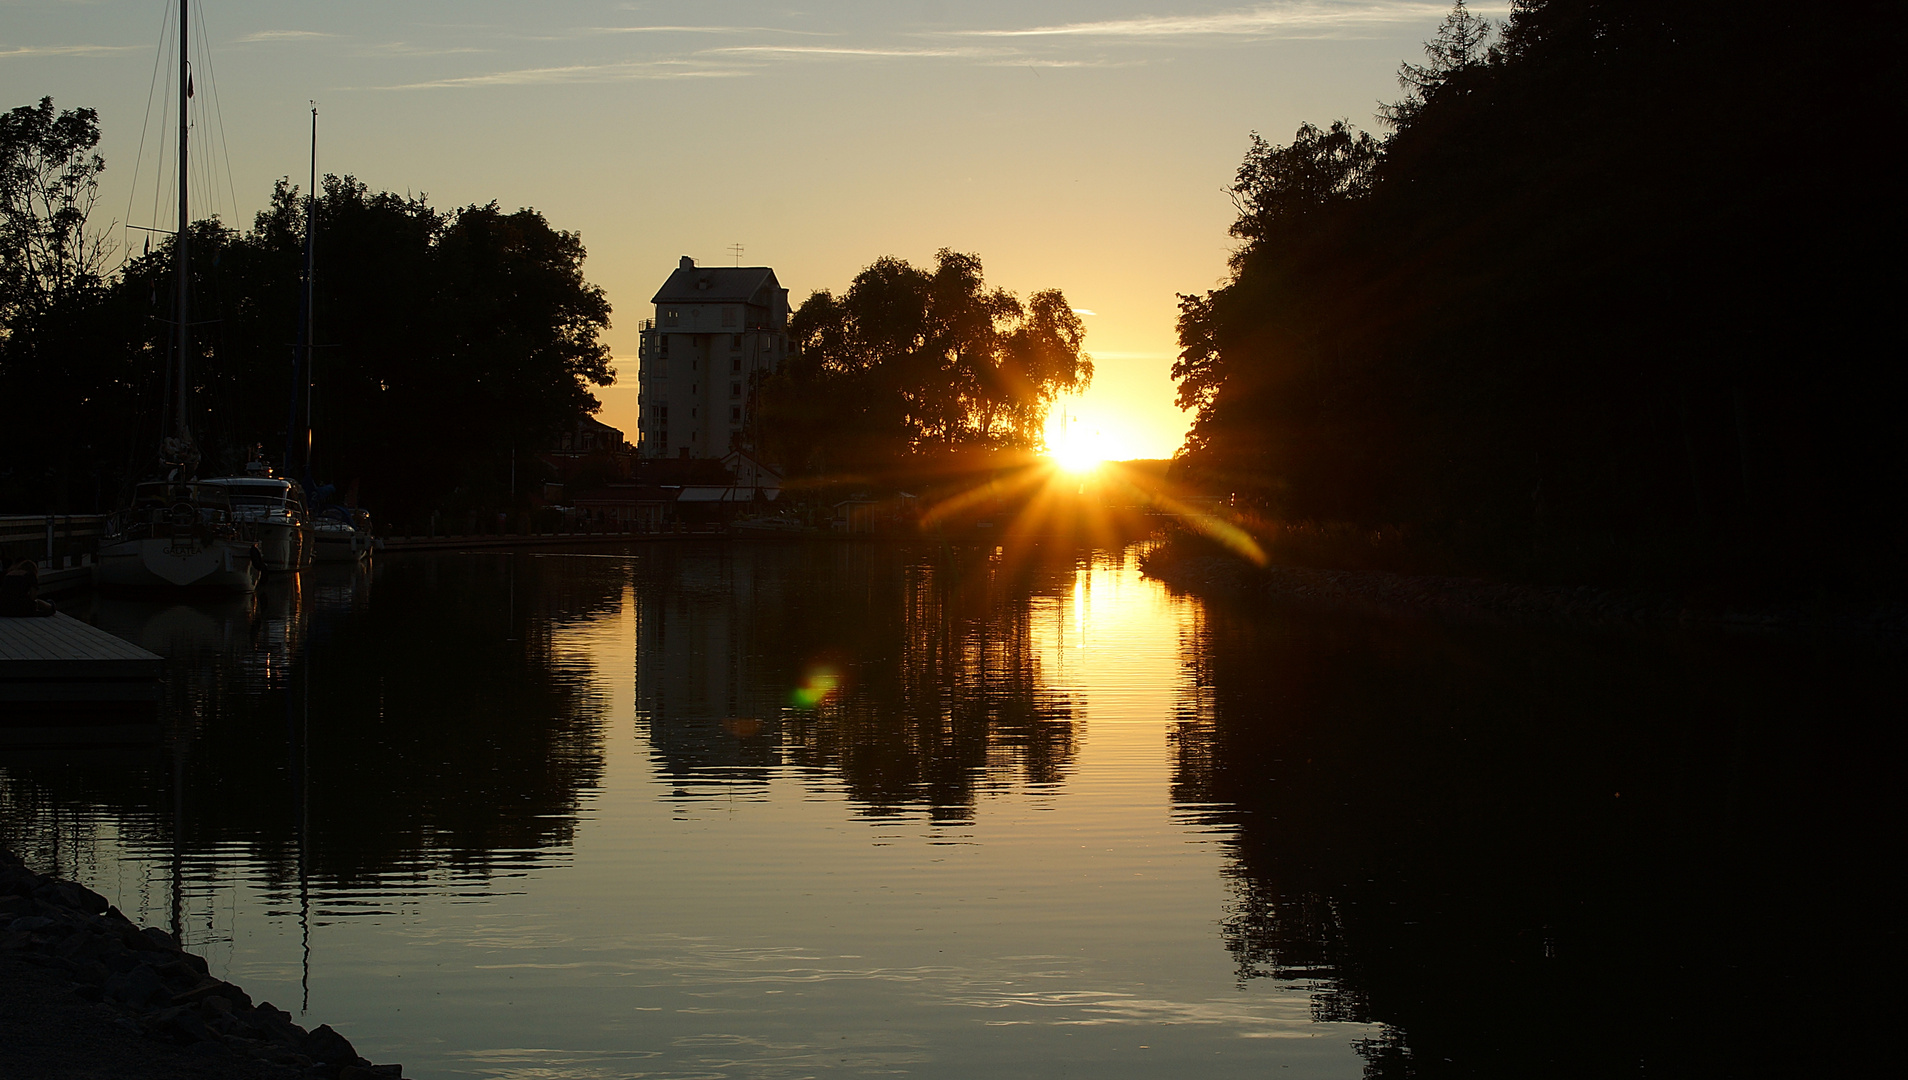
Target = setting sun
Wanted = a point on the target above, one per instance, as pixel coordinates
(1077, 457)
(1074, 446)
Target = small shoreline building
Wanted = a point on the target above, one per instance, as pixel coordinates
(716, 330)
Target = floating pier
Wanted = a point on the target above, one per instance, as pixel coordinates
(62, 680)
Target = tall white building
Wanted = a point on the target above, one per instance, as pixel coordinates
(715, 328)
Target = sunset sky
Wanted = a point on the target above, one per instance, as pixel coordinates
(1072, 145)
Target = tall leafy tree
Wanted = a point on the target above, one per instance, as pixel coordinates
(451, 346)
(1461, 44)
(1573, 318)
(57, 353)
(49, 183)
(912, 362)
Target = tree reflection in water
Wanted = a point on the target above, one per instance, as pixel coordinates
(914, 681)
(1535, 854)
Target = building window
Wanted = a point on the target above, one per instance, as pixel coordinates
(735, 414)
(662, 413)
(735, 389)
(728, 316)
(735, 363)
(662, 347)
(670, 317)
(735, 342)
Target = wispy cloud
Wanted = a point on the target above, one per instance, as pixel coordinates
(282, 35)
(67, 50)
(622, 71)
(848, 50)
(594, 30)
(1037, 62)
(1265, 21)
(405, 48)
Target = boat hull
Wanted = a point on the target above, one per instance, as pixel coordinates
(283, 544)
(335, 545)
(177, 563)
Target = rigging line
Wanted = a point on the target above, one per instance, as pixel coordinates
(218, 110)
(165, 112)
(152, 90)
(204, 175)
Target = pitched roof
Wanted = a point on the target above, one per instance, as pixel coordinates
(692, 284)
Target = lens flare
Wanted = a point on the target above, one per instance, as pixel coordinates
(818, 684)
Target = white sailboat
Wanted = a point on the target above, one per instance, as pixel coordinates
(179, 533)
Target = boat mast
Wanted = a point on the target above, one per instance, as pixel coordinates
(301, 354)
(308, 326)
(182, 247)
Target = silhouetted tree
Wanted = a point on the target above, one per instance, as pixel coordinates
(49, 182)
(1576, 318)
(57, 356)
(449, 344)
(911, 362)
(1460, 45)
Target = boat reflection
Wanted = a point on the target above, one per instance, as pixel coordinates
(415, 733)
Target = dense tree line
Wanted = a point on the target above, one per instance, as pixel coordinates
(912, 365)
(448, 342)
(1612, 299)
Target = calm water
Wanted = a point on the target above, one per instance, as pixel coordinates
(705, 810)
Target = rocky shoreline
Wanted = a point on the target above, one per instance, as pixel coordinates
(86, 990)
(1471, 599)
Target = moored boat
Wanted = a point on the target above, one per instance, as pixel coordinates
(178, 535)
(274, 508)
(342, 534)
(177, 532)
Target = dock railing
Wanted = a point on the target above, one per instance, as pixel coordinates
(55, 541)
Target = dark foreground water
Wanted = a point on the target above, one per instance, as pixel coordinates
(708, 810)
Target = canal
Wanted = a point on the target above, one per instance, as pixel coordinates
(707, 809)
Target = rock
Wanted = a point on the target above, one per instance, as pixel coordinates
(276, 1023)
(177, 1025)
(153, 987)
(214, 1007)
(223, 996)
(325, 1044)
(91, 973)
(136, 987)
(161, 938)
(73, 895)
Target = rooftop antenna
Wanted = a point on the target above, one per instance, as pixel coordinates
(736, 250)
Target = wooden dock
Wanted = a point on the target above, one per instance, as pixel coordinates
(64, 681)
